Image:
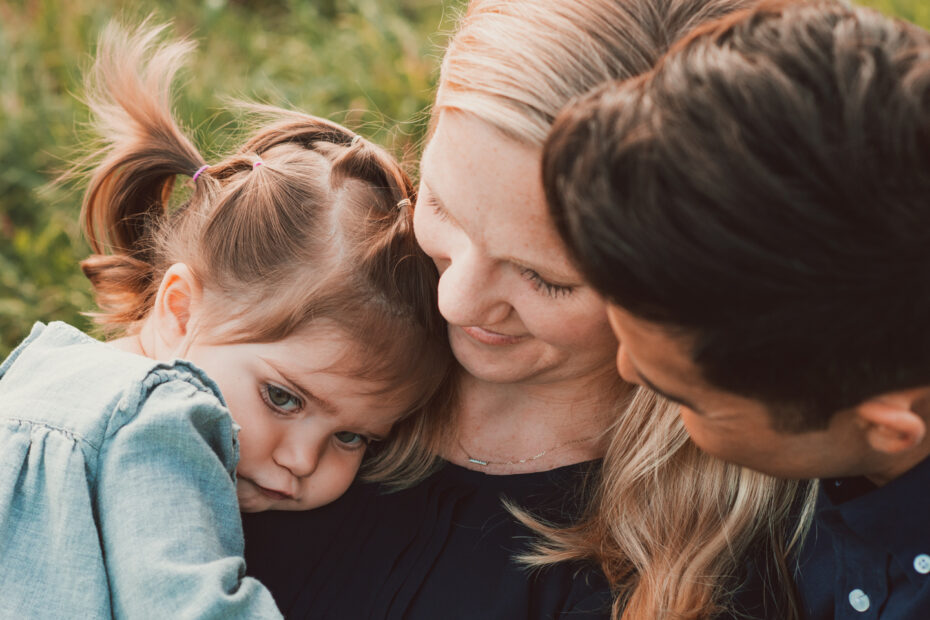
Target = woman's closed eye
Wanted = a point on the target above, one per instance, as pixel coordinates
(427, 201)
(281, 400)
(541, 285)
(440, 213)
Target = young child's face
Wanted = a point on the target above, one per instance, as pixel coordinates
(305, 422)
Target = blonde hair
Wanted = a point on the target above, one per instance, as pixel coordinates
(304, 222)
(670, 526)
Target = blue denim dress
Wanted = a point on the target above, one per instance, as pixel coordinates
(117, 487)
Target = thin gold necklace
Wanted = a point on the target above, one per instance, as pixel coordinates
(486, 462)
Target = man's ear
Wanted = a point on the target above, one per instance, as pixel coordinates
(890, 423)
(176, 304)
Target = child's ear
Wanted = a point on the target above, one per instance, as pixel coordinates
(890, 423)
(176, 304)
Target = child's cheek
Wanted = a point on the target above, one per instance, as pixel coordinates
(332, 479)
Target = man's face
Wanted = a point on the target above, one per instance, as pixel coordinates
(726, 425)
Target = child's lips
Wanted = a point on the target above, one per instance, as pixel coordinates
(271, 493)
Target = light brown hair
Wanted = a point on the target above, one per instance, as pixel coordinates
(304, 222)
(670, 526)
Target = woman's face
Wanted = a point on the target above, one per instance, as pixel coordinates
(518, 310)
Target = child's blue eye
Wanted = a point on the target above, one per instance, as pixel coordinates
(281, 399)
(349, 438)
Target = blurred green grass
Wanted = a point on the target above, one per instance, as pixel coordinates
(370, 64)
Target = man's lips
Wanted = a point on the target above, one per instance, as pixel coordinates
(485, 336)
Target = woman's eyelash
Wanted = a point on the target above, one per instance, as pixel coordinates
(552, 290)
(432, 204)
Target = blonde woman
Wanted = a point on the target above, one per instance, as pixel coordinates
(618, 514)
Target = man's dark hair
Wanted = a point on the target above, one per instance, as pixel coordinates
(766, 192)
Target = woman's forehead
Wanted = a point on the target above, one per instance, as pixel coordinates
(491, 186)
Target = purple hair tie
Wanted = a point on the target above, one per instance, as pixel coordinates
(199, 170)
(257, 164)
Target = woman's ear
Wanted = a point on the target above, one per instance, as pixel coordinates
(891, 425)
(177, 302)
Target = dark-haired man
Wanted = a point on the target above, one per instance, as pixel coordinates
(757, 211)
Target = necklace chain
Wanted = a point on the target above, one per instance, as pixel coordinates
(486, 462)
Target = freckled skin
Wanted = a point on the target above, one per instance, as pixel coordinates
(481, 215)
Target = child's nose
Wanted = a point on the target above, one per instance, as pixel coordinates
(299, 455)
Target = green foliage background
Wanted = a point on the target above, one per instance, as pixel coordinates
(367, 63)
(370, 64)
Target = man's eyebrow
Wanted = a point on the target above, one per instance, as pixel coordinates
(664, 394)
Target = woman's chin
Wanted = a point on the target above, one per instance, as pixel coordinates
(495, 364)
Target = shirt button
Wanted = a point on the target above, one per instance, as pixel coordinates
(922, 563)
(859, 600)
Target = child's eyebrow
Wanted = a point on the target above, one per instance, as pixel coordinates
(305, 392)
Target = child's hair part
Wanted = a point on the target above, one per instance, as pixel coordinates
(516, 64)
(306, 222)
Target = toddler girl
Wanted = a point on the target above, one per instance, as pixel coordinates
(286, 291)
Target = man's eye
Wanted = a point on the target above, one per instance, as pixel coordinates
(350, 439)
(280, 398)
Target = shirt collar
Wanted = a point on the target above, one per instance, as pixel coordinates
(895, 517)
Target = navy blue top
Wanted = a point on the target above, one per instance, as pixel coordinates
(868, 552)
(441, 549)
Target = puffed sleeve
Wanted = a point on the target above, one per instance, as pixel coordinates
(168, 514)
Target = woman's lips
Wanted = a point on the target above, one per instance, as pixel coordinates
(485, 336)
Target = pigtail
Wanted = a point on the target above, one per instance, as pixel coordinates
(392, 256)
(129, 95)
(393, 261)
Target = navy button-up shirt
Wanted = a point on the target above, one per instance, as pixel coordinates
(868, 553)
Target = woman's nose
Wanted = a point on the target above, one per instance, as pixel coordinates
(470, 290)
(298, 454)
